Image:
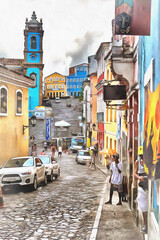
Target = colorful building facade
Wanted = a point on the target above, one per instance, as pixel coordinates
(13, 114)
(55, 85)
(77, 75)
(33, 58)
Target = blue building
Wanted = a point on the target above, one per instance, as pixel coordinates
(75, 79)
(33, 58)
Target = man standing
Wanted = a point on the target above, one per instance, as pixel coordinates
(142, 198)
(116, 178)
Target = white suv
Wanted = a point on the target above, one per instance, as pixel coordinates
(27, 171)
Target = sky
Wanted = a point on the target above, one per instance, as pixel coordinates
(73, 29)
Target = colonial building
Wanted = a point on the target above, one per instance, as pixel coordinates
(77, 75)
(32, 64)
(55, 85)
(101, 106)
(14, 141)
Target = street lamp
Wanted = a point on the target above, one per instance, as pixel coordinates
(33, 122)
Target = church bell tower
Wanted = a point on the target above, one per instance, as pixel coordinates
(33, 58)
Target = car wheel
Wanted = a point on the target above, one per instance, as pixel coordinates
(35, 184)
(45, 180)
(51, 177)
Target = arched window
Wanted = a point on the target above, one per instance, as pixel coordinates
(34, 77)
(3, 101)
(19, 102)
(33, 42)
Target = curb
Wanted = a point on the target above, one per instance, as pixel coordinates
(98, 216)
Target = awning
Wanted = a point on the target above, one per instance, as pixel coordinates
(62, 124)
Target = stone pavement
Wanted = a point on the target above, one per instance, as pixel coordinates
(113, 222)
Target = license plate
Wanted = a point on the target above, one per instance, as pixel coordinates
(11, 179)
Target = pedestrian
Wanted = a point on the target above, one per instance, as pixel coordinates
(43, 152)
(45, 146)
(93, 159)
(59, 151)
(142, 199)
(53, 149)
(34, 151)
(116, 179)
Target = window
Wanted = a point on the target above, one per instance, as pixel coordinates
(71, 86)
(18, 102)
(57, 78)
(59, 85)
(63, 79)
(77, 86)
(3, 100)
(77, 79)
(81, 69)
(51, 86)
(47, 86)
(33, 42)
(34, 77)
(106, 142)
(54, 79)
(60, 79)
(62, 85)
(74, 86)
(56, 86)
(50, 79)
(77, 69)
(48, 94)
(71, 80)
(81, 79)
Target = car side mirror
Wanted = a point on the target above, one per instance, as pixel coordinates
(38, 164)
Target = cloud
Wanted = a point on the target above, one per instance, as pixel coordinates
(83, 47)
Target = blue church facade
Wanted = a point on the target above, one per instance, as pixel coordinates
(33, 59)
(75, 79)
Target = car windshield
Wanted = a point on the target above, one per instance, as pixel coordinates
(45, 159)
(84, 153)
(19, 162)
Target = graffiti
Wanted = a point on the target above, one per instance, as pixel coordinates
(132, 17)
(151, 134)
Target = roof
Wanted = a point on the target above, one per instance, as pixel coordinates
(103, 44)
(55, 73)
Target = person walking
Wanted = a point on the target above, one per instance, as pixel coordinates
(34, 151)
(116, 179)
(59, 151)
(53, 149)
(142, 199)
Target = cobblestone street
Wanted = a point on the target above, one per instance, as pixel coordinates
(64, 209)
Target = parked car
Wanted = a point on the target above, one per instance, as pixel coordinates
(57, 100)
(24, 171)
(52, 167)
(83, 156)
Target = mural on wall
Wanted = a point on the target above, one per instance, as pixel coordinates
(132, 17)
(151, 134)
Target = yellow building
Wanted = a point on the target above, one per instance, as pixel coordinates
(13, 114)
(110, 129)
(55, 85)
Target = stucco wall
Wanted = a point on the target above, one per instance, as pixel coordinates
(12, 141)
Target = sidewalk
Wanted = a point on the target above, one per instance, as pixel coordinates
(113, 222)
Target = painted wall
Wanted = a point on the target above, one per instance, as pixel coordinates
(149, 48)
(33, 92)
(33, 57)
(12, 141)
